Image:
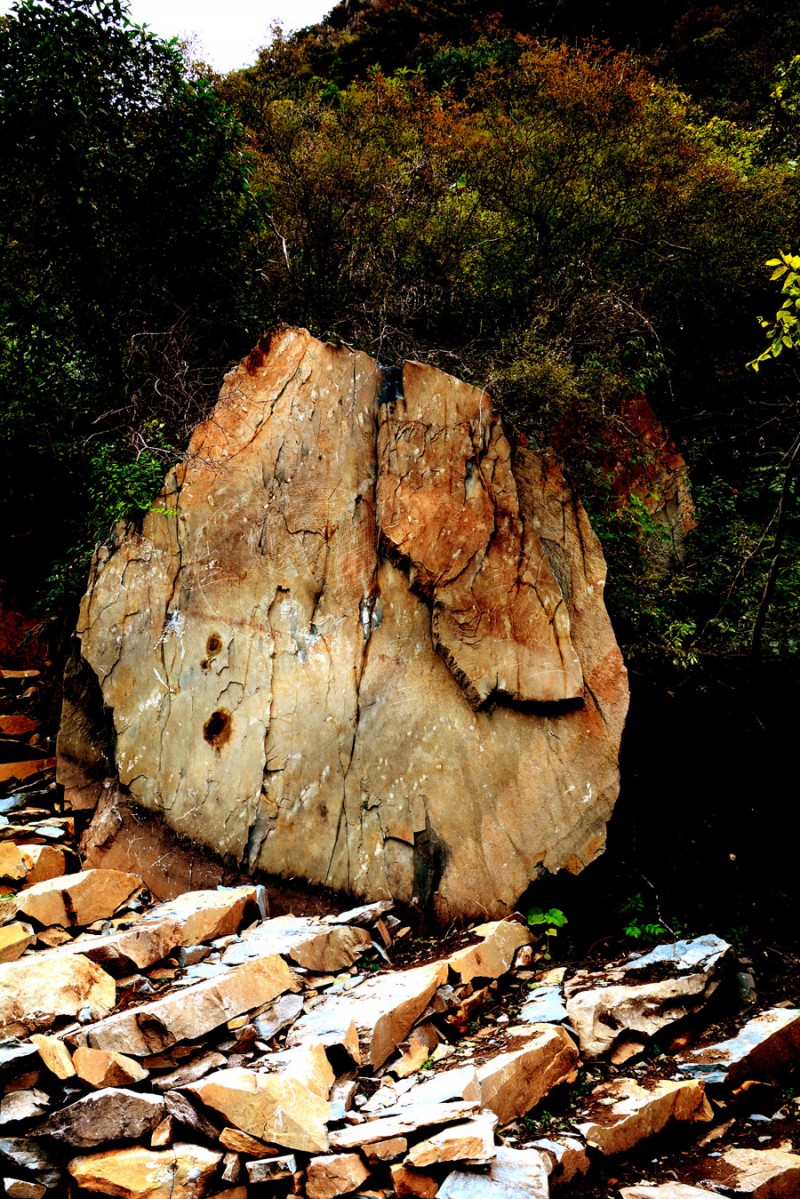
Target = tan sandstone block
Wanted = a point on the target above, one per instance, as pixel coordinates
(182, 1172)
(78, 898)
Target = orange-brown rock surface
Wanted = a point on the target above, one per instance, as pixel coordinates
(267, 643)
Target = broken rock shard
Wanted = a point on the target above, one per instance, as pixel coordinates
(360, 640)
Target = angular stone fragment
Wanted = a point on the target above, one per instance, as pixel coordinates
(365, 913)
(52, 937)
(29, 1160)
(472, 1141)
(182, 1172)
(493, 955)
(35, 991)
(624, 1112)
(110, 1115)
(567, 1156)
(755, 1173)
(17, 1107)
(335, 1174)
(186, 921)
(445, 1086)
(400, 1123)
(515, 1081)
(282, 1012)
(513, 1174)
(14, 940)
(103, 1069)
(364, 533)
(241, 1142)
(407, 1181)
(78, 898)
(382, 1008)
(331, 1023)
(765, 1046)
(191, 1072)
(16, 1057)
(232, 1169)
(545, 1006)
(17, 726)
(270, 1169)
(55, 1055)
(24, 770)
(163, 1134)
(416, 1050)
(16, 1188)
(187, 1014)
(288, 1107)
(639, 997)
(308, 942)
(31, 863)
(183, 1112)
(388, 1150)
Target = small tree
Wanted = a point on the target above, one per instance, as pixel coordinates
(782, 332)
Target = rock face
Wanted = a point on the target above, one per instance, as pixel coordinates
(267, 643)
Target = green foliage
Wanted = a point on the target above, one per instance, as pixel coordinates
(547, 923)
(784, 331)
(637, 927)
(554, 222)
(121, 485)
(640, 926)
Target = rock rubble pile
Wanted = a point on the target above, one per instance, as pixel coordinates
(199, 1048)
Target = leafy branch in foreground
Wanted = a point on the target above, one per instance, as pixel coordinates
(783, 332)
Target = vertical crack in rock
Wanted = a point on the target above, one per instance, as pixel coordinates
(364, 506)
(269, 653)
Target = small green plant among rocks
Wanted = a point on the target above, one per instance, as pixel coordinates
(637, 926)
(548, 922)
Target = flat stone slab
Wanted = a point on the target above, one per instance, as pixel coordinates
(513, 1174)
(768, 1044)
(494, 953)
(30, 864)
(400, 1123)
(78, 898)
(335, 1174)
(383, 1010)
(515, 1081)
(108, 1115)
(545, 1006)
(195, 1010)
(625, 1112)
(665, 1190)
(312, 944)
(181, 1172)
(754, 1173)
(631, 1002)
(288, 1106)
(470, 1141)
(35, 992)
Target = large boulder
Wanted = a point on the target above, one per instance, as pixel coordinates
(361, 640)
